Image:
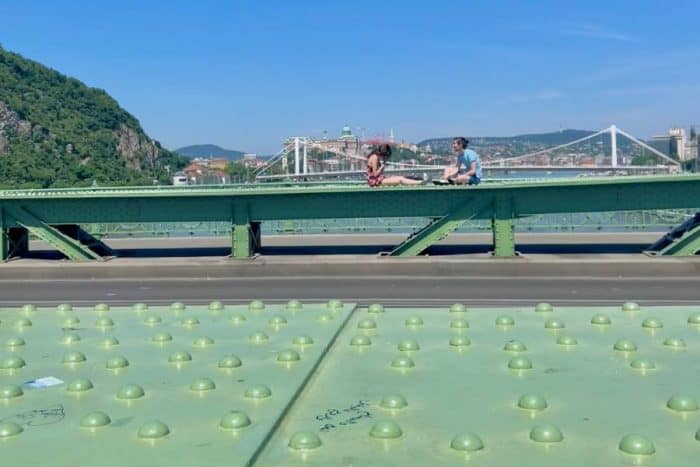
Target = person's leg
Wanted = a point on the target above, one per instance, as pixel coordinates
(449, 172)
(411, 181)
(395, 180)
(463, 179)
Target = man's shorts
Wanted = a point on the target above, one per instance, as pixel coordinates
(473, 180)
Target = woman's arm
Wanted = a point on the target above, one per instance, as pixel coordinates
(382, 166)
(373, 163)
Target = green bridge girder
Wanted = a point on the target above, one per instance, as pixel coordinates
(246, 206)
(436, 230)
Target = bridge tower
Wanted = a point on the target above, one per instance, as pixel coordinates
(613, 145)
(305, 166)
(296, 156)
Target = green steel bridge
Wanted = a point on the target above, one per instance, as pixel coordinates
(59, 216)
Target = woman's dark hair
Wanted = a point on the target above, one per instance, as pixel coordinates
(463, 141)
(382, 150)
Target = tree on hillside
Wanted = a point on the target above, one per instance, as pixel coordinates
(239, 172)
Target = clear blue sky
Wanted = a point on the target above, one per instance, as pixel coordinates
(246, 74)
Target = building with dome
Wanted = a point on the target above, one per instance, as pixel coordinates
(344, 152)
(346, 133)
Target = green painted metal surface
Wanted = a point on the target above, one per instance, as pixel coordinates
(435, 231)
(192, 369)
(463, 381)
(622, 221)
(503, 202)
(683, 240)
(531, 386)
(688, 244)
(70, 247)
(503, 227)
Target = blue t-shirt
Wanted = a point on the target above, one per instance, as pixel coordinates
(467, 158)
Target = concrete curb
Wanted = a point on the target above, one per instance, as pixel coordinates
(217, 268)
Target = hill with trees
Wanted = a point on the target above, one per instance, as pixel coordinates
(444, 145)
(57, 132)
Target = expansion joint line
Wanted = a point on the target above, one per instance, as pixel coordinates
(312, 372)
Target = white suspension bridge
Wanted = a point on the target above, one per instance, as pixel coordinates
(295, 160)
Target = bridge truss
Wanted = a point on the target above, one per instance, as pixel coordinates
(59, 216)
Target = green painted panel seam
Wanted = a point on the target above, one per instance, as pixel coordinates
(312, 372)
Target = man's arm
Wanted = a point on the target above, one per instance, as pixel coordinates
(472, 169)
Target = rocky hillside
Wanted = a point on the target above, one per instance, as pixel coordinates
(57, 132)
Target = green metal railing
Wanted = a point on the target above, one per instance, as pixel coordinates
(74, 220)
(642, 221)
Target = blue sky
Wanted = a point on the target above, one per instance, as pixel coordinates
(246, 74)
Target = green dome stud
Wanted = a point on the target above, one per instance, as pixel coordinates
(546, 434)
(9, 429)
(386, 429)
(95, 420)
(258, 391)
(393, 402)
(304, 440)
(467, 442)
(256, 305)
(636, 445)
(234, 420)
(153, 430)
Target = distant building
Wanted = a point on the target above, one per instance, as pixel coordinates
(347, 147)
(691, 147)
(662, 143)
(692, 152)
(180, 179)
(252, 161)
(410, 146)
(673, 144)
(207, 172)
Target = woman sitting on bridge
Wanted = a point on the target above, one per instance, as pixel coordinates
(376, 162)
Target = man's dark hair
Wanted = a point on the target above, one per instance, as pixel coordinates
(462, 141)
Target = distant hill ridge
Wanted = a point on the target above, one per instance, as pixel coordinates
(545, 139)
(209, 150)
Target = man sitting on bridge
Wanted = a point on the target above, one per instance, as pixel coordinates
(470, 174)
(376, 162)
